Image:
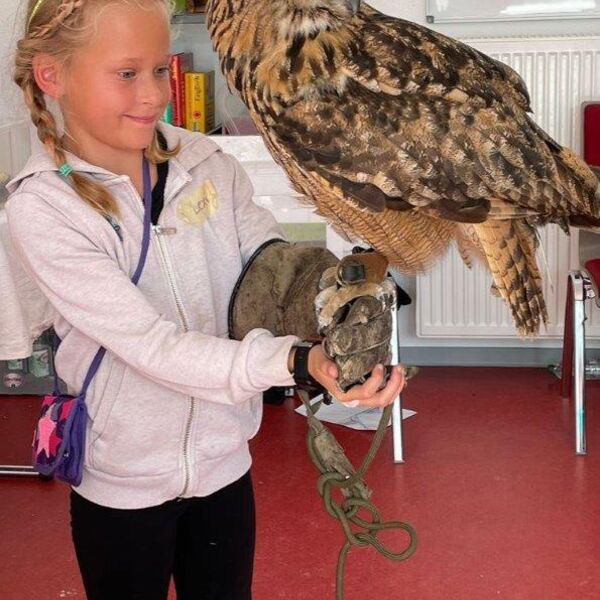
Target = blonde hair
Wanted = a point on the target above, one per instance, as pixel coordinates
(59, 28)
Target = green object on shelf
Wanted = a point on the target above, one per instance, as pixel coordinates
(16, 365)
(180, 6)
(39, 361)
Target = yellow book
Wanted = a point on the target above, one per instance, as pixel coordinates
(200, 101)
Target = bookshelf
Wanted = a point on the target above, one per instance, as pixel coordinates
(191, 35)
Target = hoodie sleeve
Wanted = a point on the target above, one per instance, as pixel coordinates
(255, 225)
(87, 287)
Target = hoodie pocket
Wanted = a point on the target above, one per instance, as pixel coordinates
(224, 428)
(141, 433)
(99, 409)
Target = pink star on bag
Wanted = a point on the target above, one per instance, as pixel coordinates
(46, 427)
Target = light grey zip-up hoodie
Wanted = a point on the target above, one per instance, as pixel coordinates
(175, 401)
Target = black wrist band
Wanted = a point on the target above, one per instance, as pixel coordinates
(302, 377)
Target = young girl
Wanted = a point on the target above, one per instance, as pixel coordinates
(166, 489)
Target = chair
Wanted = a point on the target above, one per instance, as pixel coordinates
(582, 286)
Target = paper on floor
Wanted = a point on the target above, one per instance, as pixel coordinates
(354, 418)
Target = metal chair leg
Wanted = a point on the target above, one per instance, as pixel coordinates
(397, 409)
(566, 377)
(20, 470)
(581, 288)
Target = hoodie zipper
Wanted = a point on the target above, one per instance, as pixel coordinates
(159, 233)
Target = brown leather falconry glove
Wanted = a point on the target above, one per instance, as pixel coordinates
(354, 316)
(276, 290)
(280, 284)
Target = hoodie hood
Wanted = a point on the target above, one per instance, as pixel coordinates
(195, 148)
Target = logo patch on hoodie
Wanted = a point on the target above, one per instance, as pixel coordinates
(196, 207)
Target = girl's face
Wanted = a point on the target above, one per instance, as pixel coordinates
(117, 86)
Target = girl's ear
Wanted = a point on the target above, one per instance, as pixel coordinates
(48, 73)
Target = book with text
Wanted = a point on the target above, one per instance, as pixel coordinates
(180, 64)
(200, 101)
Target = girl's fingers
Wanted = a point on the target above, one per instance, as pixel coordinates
(364, 390)
(389, 393)
(370, 393)
(395, 384)
(374, 382)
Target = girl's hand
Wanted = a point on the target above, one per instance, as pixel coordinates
(370, 393)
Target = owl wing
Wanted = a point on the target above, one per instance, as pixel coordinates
(424, 122)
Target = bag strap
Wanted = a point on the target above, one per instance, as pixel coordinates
(135, 278)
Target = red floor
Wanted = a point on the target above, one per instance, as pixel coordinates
(502, 506)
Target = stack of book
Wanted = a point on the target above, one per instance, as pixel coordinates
(192, 95)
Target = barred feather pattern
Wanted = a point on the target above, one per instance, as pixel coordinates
(410, 241)
(509, 247)
(404, 138)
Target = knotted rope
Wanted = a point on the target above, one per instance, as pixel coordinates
(337, 472)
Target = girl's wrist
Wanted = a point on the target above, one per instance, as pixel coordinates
(300, 359)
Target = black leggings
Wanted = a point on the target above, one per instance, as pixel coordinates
(206, 544)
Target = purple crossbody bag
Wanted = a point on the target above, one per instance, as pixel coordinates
(59, 437)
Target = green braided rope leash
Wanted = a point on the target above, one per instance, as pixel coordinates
(337, 472)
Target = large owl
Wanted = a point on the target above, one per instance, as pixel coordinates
(404, 138)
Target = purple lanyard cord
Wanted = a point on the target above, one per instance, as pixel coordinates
(135, 278)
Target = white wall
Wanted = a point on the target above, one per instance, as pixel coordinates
(415, 10)
(411, 10)
(11, 106)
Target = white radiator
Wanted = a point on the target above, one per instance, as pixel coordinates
(561, 74)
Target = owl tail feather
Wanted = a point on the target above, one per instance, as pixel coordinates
(509, 247)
